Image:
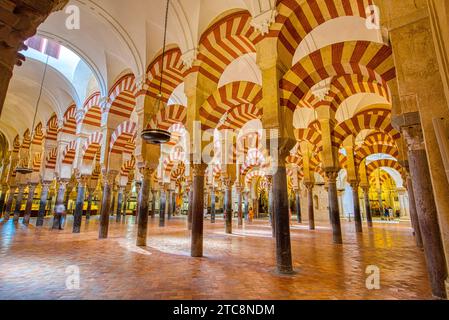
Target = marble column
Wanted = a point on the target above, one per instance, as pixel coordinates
(142, 225)
(334, 212)
(199, 171)
(413, 214)
(29, 203)
(113, 201)
(212, 204)
(43, 203)
(8, 206)
(162, 206)
(369, 217)
(240, 201)
(60, 201)
(79, 208)
(426, 208)
(310, 206)
(169, 194)
(90, 194)
(4, 190)
(19, 200)
(190, 209)
(227, 183)
(120, 204)
(108, 185)
(357, 212)
(138, 190)
(270, 205)
(246, 213)
(153, 203)
(281, 217)
(298, 204)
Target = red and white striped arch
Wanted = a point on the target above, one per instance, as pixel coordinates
(50, 162)
(168, 116)
(370, 119)
(371, 60)
(38, 137)
(69, 121)
(342, 88)
(384, 163)
(296, 19)
(92, 111)
(122, 137)
(92, 146)
(127, 167)
(68, 155)
(52, 128)
(379, 137)
(226, 40)
(227, 98)
(174, 74)
(123, 98)
(365, 151)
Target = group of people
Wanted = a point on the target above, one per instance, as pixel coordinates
(388, 214)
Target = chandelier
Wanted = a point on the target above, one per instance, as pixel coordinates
(159, 136)
(27, 168)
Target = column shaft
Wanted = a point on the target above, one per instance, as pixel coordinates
(19, 200)
(298, 205)
(119, 205)
(240, 211)
(310, 206)
(29, 204)
(142, 225)
(89, 204)
(197, 210)
(413, 214)
(428, 221)
(282, 221)
(369, 216)
(9, 202)
(162, 208)
(78, 216)
(212, 206)
(108, 185)
(2, 199)
(190, 212)
(334, 212)
(228, 207)
(43, 204)
(357, 212)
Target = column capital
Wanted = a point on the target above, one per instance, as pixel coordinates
(309, 185)
(199, 169)
(332, 175)
(109, 177)
(263, 21)
(414, 137)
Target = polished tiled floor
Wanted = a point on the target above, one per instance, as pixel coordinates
(34, 262)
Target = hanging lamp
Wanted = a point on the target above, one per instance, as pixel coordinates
(159, 136)
(22, 169)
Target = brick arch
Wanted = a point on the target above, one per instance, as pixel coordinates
(174, 74)
(37, 162)
(254, 174)
(123, 98)
(296, 19)
(122, 136)
(68, 155)
(92, 111)
(226, 98)
(371, 119)
(343, 87)
(69, 120)
(92, 146)
(127, 167)
(371, 60)
(168, 116)
(52, 128)
(226, 40)
(384, 177)
(16, 144)
(254, 159)
(26, 141)
(39, 136)
(379, 137)
(388, 163)
(50, 161)
(365, 151)
(174, 158)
